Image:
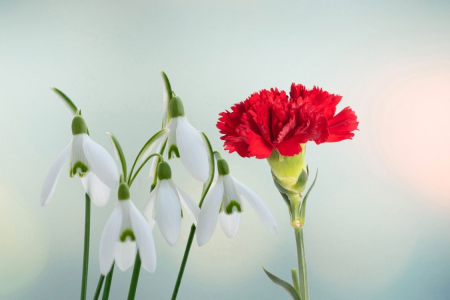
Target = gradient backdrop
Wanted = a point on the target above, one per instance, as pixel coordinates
(378, 221)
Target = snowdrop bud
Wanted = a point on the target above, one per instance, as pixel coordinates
(222, 167)
(78, 125)
(176, 108)
(164, 171)
(124, 192)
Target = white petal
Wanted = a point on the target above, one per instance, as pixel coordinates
(207, 219)
(149, 208)
(125, 254)
(96, 189)
(101, 162)
(258, 205)
(144, 239)
(187, 203)
(168, 212)
(108, 241)
(192, 150)
(53, 174)
(230, 223)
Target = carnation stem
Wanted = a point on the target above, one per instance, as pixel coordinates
(87, 226)
(303, 276)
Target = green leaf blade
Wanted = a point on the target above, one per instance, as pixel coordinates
(303, 208)
(119, 153)
(285, 285)
(66, 100)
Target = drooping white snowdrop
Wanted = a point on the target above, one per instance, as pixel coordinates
(224, 202)
(90, 161)
(164, 205)
(186, 142)
(125, 232)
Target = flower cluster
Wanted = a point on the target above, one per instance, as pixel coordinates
(271, 120)
(127, 230)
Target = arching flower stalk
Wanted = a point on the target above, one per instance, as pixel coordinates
(224, 202)
(277, 127)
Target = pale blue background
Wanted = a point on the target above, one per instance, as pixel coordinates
(378, 220)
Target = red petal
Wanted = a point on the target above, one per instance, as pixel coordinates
(291, 147)
(257, 146)
(341, 125)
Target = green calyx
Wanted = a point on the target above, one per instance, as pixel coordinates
(79, 125)
(176, 108)
(222, 167)
(229, 208)
(164, 171)
(127, 233)
(79, 168)
(124, 192)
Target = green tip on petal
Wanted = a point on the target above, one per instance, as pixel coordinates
(176, 108)
(229, 208)
(222, 167)
(127, 233)
(124, 191)
(79, 125)
(164, 171)
(173, 150)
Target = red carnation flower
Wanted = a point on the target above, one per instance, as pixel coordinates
(272, 120)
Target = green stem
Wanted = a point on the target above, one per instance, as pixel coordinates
(193, 228)
(87, 226)
(137, 261)
(99, 287)
(130, 181)
(135, 277)
(108, 284)
(303, 276)
(295, 280)
(183, 262)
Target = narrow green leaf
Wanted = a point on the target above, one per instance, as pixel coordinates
(119, 153)
(295, 280)
(303, 208)
(66, 100)
(167, 96)
(285, 285)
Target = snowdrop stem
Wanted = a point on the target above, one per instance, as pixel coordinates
(135, 277)
(193, 228)
(99, 287)
(108, 284)
(87, 227)
(131, 179)
(303, 276)
(137, 261)
(183, 262)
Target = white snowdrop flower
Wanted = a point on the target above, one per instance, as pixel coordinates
(90, 161)
(165, 203)
(186, 142)
(224, 202)
(125, 232)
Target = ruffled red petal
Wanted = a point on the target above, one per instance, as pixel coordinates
(270, 120)
(341, 126)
